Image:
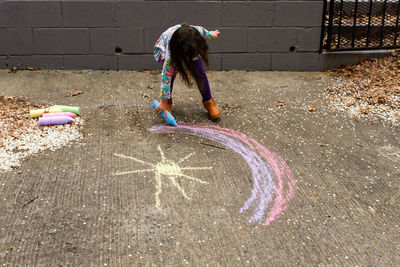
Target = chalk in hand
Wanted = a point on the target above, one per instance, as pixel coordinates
(57, 120)
(170, 119)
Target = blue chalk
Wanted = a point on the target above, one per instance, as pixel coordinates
(170, 119)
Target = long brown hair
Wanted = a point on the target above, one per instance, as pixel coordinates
(187, 43)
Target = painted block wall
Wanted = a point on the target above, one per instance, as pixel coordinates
(120, 34)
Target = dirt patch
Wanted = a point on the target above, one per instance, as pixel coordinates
(371, 88)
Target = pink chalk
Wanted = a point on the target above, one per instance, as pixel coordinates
(68, 114)
(55, 120)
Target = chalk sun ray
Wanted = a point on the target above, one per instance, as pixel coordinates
(195, 179)
(129, 172)
(132, 158)
(185, 158)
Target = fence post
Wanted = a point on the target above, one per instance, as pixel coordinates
(321, 44)
(330, 25)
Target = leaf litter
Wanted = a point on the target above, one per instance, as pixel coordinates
(21, 136)
(370, 88)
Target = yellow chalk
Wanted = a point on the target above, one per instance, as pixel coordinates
(39, 112)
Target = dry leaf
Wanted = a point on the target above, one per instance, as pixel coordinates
(145, 95)
(32, 68)
(74, 93)
(381, 99)
(372, 82)
(13, 70)
(150, 86)
(322, 144)
(364, 110)
(280, 103)
(311, 109)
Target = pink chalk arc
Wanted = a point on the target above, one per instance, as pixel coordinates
(273, 182)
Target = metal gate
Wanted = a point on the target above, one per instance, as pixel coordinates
(360, 25)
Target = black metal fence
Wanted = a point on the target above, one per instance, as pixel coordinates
(360, 25)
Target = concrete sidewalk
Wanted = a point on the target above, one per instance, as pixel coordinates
(125, 196)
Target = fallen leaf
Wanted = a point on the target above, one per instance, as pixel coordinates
(280, 104)
(29, 201)
(381, 99)
(322, 144)
(32, 68)
(150, 86)
(145, 95)
(13, 70)
(74, 93)
(364, 110)
(15, 136)
(311, 109)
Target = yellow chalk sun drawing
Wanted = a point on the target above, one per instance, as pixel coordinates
(167, 168)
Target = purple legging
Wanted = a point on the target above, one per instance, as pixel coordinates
(202, 82)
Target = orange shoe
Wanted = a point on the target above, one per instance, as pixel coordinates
(211, 107)
(169, 105)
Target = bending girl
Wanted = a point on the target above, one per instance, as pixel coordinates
(180, 49)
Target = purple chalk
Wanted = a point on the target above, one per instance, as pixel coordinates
(56, 114)
(55, 120)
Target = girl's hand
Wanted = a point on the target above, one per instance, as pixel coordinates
(215, 34)
(162, 107)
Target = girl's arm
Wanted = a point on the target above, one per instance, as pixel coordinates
(166, 77)
(206, 33)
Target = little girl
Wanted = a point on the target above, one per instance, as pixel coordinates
(180, 49)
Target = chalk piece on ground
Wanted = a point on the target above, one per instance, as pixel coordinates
(57, 120)
(53, 110)
(68, 114)
(34, 113)
(76, 110)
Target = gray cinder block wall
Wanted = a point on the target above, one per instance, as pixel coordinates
(120, 34)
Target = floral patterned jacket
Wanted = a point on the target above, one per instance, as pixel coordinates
(162, 53)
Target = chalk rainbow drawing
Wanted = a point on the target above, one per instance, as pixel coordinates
(168, 168)
(272, 179)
